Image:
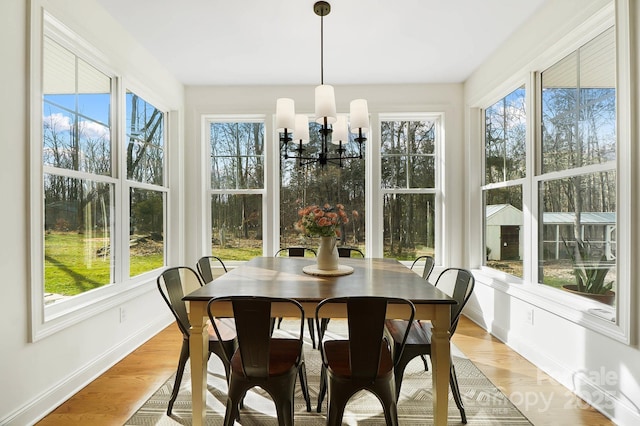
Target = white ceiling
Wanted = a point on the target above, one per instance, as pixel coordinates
(271, 42)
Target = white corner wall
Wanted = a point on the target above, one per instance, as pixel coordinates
(603, 371)
(36, 377)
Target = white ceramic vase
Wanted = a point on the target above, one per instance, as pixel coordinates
(328, 254)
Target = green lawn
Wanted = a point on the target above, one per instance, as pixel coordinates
(75, 264)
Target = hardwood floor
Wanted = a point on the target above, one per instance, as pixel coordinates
(539, 397)
(117, 394)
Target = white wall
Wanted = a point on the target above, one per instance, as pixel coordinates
(605, 371)
(36, 377)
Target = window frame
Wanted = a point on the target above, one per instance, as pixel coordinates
(522, 182)
(569, 307)
(379, 192)
(206, 120)
(270, 192)
(129, 184)
(48, 320)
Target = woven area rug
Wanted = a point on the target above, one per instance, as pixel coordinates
(484, 403)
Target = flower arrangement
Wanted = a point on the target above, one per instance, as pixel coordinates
(321, 221)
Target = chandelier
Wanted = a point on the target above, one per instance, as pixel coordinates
(294, 128)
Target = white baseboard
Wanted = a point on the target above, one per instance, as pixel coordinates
(618, 408)
(51, 398)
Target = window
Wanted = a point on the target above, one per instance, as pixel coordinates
(102, 192)
(237, 186)
(504, 170)
(79, 187)
(145, 176)
(409, 185)
(577, 177)
(312, 184)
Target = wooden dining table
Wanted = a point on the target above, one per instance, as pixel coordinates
(284, 277)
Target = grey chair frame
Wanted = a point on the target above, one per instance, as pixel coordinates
(204, 267)
(350, 365)
(348, 251)
(296, 251)
(262, 360)
(169, 284)
(300, 252)
(429, 263)
(419, 342)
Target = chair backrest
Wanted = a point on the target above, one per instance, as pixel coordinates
(366, 318)
(296, 251)
(204, 267)
(348, 251)
(456, 283)
(252, 316)
(171, 287)
(429, 263)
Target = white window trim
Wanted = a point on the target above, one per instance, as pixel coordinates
(205, 121)
(48, 320)
(569, 307)
(271, 190)
(378, 192)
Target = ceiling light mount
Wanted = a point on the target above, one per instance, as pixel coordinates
(334, 127)
(322, 8)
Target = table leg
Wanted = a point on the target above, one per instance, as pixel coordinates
(198, 353)
(441, 363)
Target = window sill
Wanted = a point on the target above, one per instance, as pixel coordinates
(579, 310)
(66, 312)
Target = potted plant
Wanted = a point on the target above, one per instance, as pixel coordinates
(590, 272)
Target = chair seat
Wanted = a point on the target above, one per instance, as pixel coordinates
(284, 355)
(227, 328)
(419, 334)
(337, 355)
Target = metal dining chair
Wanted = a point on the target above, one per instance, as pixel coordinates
(205, 267)
(361, 361)
(455, 282)
(349, 251)
(262, 360)
(429, 263)
(299, 252)
(296, 251)
(171, 284)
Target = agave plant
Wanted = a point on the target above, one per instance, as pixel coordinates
(589, 270)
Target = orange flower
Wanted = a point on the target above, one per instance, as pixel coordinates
(321, 222)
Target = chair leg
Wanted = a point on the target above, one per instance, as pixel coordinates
(323, 388)
(336, 404)
(323, 325)
(312, 332)
(235, 396)
(304, 384)
(385, 394)
(424, 361)
(398, 373)
(279, 322)
(184, 356)
(455, 390)
(284, 409)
